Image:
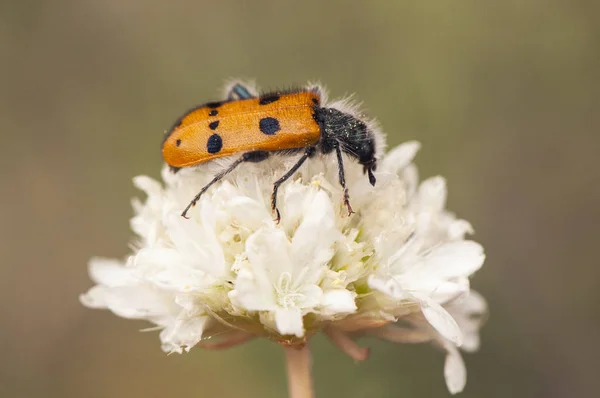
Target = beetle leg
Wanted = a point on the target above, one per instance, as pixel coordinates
(342, 177)
(254, 157)
(307, 153)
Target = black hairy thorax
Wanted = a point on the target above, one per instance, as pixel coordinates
(351, 134)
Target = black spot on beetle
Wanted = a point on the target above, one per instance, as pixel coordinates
(269, 125)
(214, 125)
(269, 98)
(214, 144)
(178, 142)
(214, 112)
(214, 104)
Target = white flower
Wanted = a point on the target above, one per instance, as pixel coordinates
(283, 275)
(397, 269)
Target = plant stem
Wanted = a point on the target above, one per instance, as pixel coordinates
(298, 361)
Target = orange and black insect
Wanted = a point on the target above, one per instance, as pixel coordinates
(258, 126)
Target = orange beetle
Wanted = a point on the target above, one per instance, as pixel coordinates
(257, 126)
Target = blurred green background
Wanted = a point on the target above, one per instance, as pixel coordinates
(502, 94)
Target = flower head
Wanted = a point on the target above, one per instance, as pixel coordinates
(397, 269)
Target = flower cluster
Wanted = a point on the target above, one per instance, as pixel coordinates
(397, 269)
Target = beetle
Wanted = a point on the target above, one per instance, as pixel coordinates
(257, 126)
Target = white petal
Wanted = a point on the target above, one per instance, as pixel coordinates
(252, 294)
(452, 260)
(95, 297)
(192, 304)
(469, 312)
(475, 304)
(387, 285)
(410, 176)
(248, 212)
(183, 333)
(440, 319)
(268, 262)
(449, 291)
(268, 252)
(313, 241)
(289, 321)
(400, 157)
(313, 296)
(199, 242)
(294, 196)
(110, 272)
(338, 302)
(471, 341)
(455, 371)
(150, 260)
(187, 236)
(181, 279)
(459, 228)
(432, 193)
(138, 302)
(149, 185)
